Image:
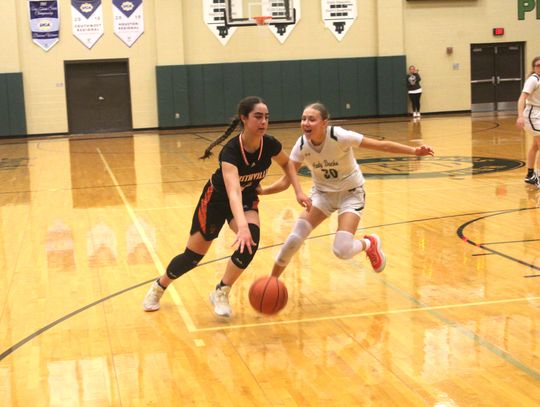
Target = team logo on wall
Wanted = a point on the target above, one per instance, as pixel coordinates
(338, 16)
(431, 167)
(44, 23)
(87, 21)
(128, 20)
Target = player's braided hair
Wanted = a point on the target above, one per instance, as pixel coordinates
(245, 107)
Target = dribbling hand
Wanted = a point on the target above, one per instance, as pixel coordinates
(244, 240)
(423, 150)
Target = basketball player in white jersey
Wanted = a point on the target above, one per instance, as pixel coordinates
(529, 119)
(338, 185)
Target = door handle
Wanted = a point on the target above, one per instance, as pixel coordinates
(509, 79)
(100, 98)
(498, 80)
(492, 80)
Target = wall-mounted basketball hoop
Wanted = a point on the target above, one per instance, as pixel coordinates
(262, 20)
(240, 13)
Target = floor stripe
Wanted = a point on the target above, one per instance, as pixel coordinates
(155, 258)
(369, 314)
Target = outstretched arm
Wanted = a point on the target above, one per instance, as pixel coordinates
(290, 168)
(397, 148)
(283, 183)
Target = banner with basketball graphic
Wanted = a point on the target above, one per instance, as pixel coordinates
(87, 21)
(128, 20)
(338, 16)
(44, 23)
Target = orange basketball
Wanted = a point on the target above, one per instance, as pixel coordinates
(268, 295)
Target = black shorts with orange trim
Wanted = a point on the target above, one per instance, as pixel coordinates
(213, 210)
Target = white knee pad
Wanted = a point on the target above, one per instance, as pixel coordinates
(300, 232)
(345, 246)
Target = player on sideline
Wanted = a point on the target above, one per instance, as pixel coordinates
(230, 195)
(529, 119)
(337, 186)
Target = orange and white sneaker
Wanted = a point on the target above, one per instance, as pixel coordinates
(375, 254)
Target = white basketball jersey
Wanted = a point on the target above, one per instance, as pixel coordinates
(532, 87)
(332, 164)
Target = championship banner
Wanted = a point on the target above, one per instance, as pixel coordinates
(87, 21)
(128, 20)
(282, 31)
(44, 23)
(214, 18)
(338, 16)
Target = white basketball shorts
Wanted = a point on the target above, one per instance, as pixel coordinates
(352, 200)
(532, 119)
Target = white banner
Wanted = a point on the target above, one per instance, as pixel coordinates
(281, 31)
(128, 20)
(44, 23)
(338, 16)
(87, 21)
(214, 18)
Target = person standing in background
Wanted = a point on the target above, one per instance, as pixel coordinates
(529, 119)
(414, 89)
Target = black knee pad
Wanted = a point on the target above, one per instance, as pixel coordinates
(242, 260)
(182, 263)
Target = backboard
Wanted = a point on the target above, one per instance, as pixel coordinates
(240, 13)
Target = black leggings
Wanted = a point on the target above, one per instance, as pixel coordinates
(415, 100)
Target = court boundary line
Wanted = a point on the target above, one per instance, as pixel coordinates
(461, 235)
(421, 307)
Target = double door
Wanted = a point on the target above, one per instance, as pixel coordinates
(496, 76)
(98, 96)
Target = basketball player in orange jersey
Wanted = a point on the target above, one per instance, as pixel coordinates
(230, 195)
(338, 186)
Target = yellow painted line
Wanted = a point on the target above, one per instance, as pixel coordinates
(155, 258)
(367, 314)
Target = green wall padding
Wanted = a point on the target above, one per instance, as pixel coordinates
(292, 102)
(4, 107)
(172, 96)
(12, 110)
(233, 92)
(207, 94)
(391, 86)
(273, 95)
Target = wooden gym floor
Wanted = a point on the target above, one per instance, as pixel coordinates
(87, 222)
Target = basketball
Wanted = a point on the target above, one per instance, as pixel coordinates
(268, 295)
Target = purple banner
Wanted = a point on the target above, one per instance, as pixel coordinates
(44, 22)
